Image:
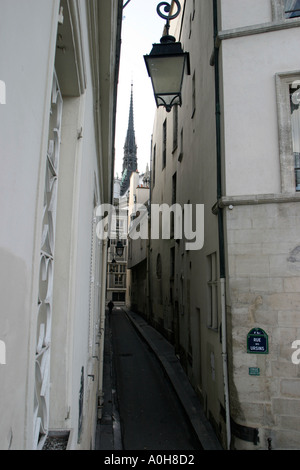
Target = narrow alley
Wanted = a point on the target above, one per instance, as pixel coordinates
(142, 410)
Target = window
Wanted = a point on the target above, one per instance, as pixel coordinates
(288, 98)
(158, 267)
(212, 285)
(113, 268)
(154, 165)
(118, 296)
(80, 404)
(190, 33)
(194, 95)
(118, 280)
(180, 156)
(174, 188)
(164, 154)
(172, 263)
(175, 127)
(291, 8)
(117, 268)
(285, 9)
(174, 191)
(295, 121)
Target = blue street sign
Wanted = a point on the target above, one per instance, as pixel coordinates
(257, 342)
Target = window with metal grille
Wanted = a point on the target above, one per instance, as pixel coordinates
(45, 292)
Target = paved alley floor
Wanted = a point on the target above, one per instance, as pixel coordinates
(149, 402)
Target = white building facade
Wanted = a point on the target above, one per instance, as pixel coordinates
(138, 243)
(117, 262)
(59, 63)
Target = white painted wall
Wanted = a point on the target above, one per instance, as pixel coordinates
(28, 33)
(237, 14)
(250, 108)
(26, 52)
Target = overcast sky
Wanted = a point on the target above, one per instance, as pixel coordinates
(141, 28)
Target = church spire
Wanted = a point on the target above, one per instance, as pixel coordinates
(130, 150)
(130, 139)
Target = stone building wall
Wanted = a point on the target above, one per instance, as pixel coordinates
(264, 280)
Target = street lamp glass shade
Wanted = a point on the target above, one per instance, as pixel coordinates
(166, 74)
(119, 249)
(166, 66)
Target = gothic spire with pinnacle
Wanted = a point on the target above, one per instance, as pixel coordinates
(130, 150)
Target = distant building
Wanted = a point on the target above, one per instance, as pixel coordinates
(117, 265)
(138, 221)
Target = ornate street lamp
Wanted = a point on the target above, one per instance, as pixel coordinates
(166, 63)
(119, 248)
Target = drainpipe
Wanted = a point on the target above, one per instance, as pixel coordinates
(225, 362)
(221, 225)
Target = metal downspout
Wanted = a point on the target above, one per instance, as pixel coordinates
(221, 226)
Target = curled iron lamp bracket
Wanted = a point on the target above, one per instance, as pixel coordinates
(167, 9)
